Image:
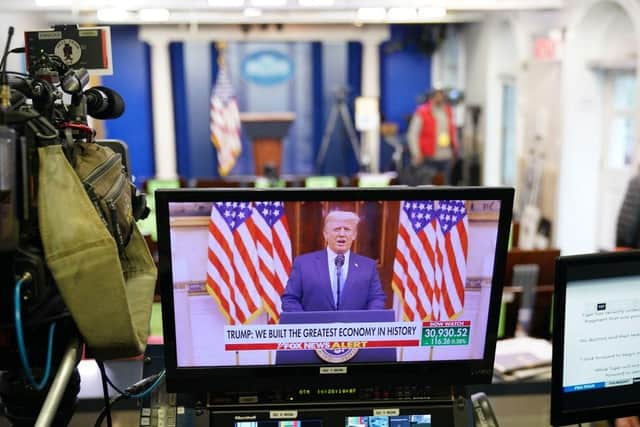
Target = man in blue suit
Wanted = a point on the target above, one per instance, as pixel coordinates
(334, 278)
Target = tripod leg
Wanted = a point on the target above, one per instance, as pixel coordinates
(351, 133)
(67, 365)
(326, 137)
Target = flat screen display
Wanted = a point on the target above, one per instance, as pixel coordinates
(596, 359)
(286, 282)
(423, 420)
(275, 423)
(602, 334)
(267, 289)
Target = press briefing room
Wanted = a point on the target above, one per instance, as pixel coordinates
(319, 213)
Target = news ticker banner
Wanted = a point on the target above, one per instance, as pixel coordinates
(325, 336)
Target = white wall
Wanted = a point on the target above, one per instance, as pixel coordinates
(559, 100)
(475, 39)
(21, 22)
(589, 37)
(503, 62)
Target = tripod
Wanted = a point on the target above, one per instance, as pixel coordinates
(338, 109)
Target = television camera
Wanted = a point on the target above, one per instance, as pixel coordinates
(48, 105)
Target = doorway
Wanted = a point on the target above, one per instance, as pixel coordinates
(618, 145)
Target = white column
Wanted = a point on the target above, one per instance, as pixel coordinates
(370, 144)
(164, 143)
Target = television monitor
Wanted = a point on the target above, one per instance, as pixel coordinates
(596, 338)
(336, 416)
(250, 289)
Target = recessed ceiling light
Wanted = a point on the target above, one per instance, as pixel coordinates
(432, 12)
(92, 4)
(268, 3)
(316, 3)
(252, 12)
(112, 15)
(154, 15)
(402, 14)
(124, 4)
(226, 3)
(372, 13)
(50, 3)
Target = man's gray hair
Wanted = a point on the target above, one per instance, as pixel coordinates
(341, 215)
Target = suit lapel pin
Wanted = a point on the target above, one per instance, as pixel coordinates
(355, 264)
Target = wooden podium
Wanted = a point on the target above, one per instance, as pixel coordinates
(266, 130)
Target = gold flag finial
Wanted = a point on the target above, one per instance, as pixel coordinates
(222, 47)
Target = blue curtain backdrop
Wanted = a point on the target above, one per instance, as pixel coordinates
(405, 74)
(183, 156)
(318, 68)
(132, 79)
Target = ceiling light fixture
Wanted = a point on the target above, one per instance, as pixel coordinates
(252, 12)
(125, 4)
(226, 3)
(53, 3)
(112, 15)
(372, 13)
(154, 15)
(91, 4)
(268, 3)
(316, 3)
(432, 12)
(402, 14)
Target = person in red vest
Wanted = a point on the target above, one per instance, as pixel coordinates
(432, 135)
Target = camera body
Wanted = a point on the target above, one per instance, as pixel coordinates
(47, 106)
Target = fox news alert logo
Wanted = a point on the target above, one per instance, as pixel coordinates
(331, 352)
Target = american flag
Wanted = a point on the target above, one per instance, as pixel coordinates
(429, 269)
(414, 272)
(270, 229)
(224, 123)
(232, 278)
(451, 256)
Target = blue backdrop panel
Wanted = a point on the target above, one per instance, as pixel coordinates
(299, 153)
(317, 98)
(176, 51)
(132, 79)
(354, 80)
(405, 74)
(339, 158)
(197, 61)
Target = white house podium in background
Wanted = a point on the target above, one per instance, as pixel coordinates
(266, 130)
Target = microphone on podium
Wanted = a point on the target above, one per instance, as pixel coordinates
(339, 261)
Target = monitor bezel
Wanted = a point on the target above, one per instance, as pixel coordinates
(580, 267)
(263, 378)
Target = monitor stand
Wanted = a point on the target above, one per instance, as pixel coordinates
(446, 406)
(442, 410)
